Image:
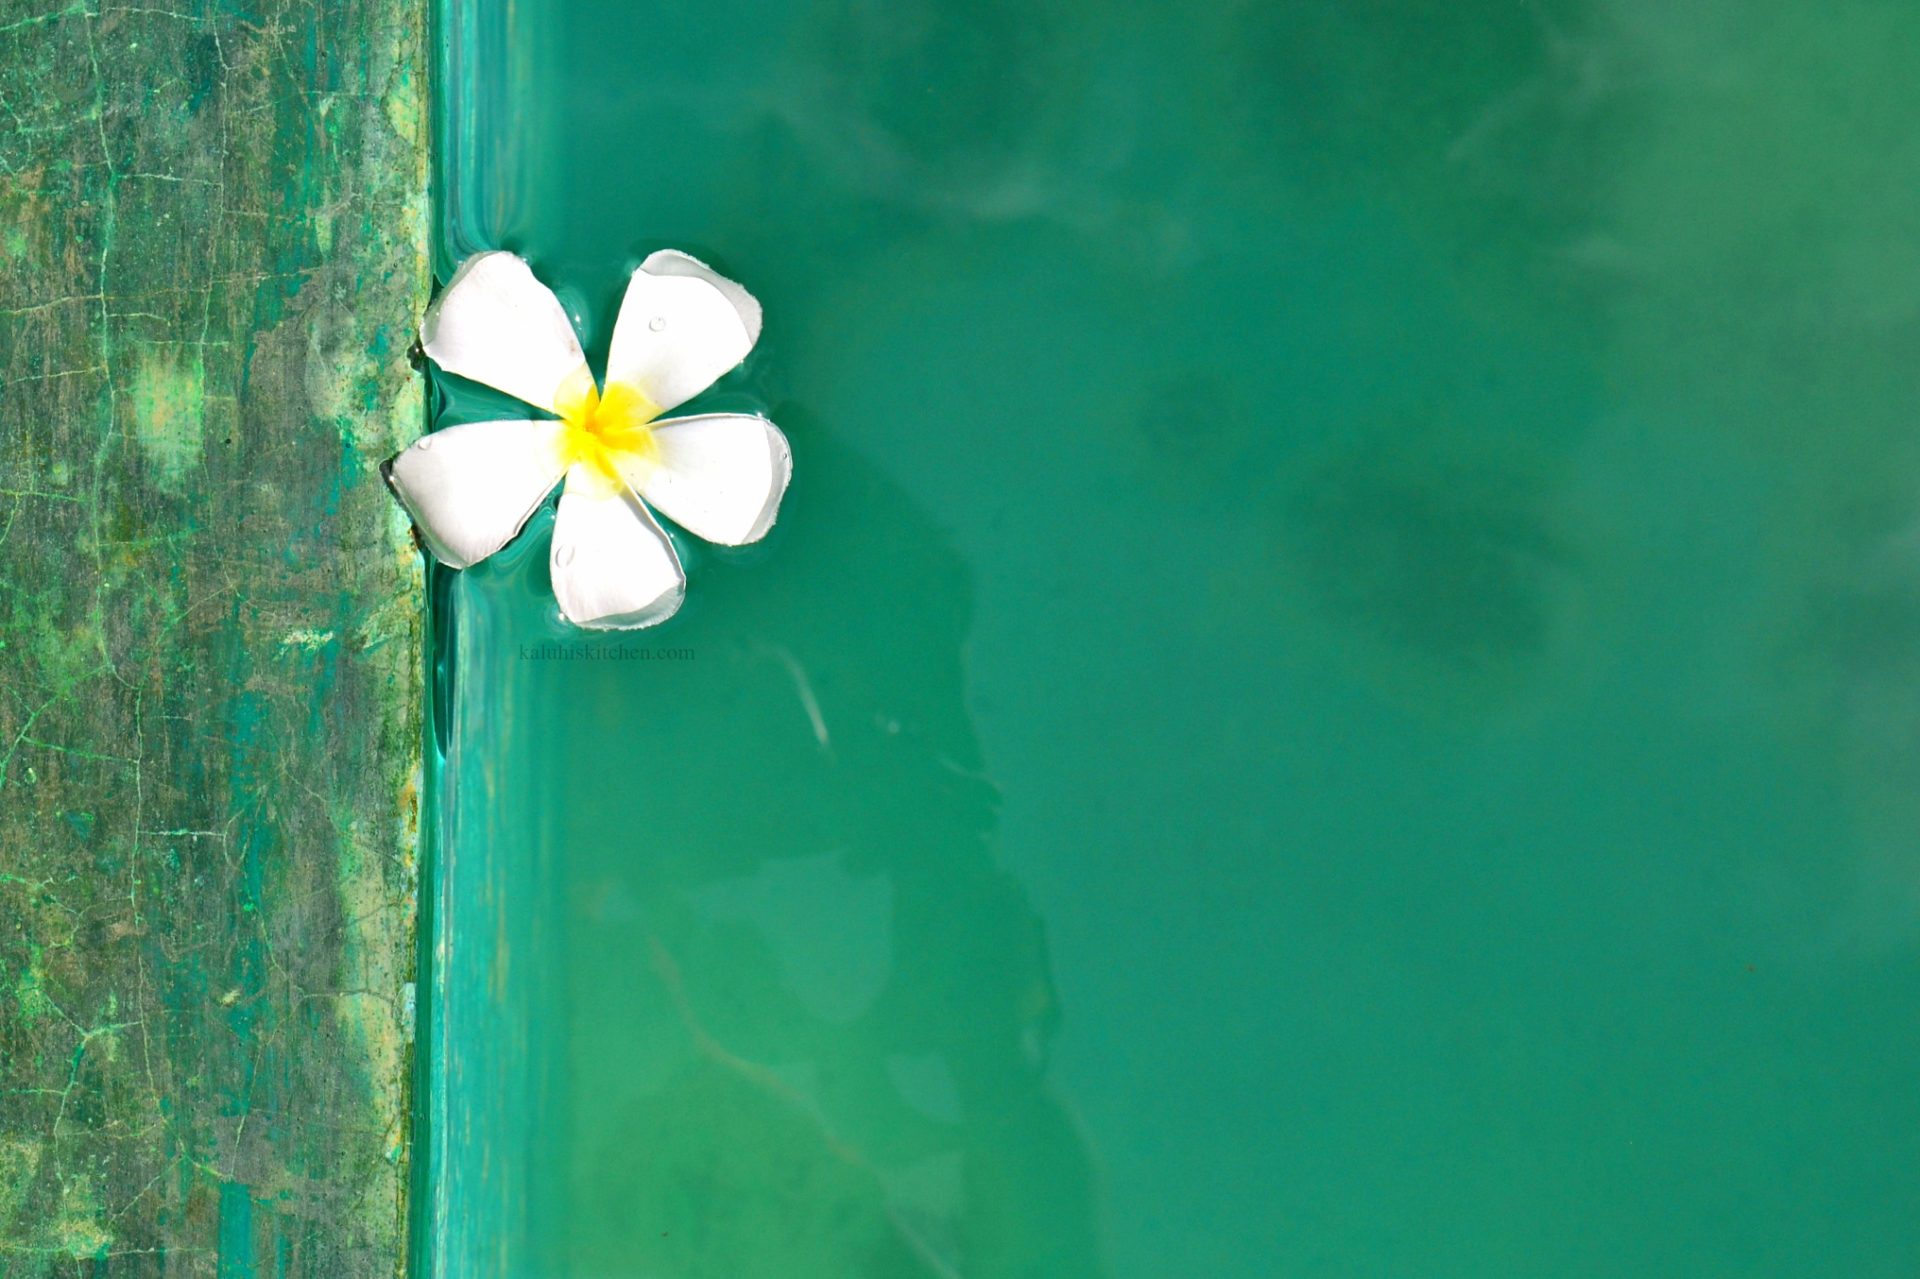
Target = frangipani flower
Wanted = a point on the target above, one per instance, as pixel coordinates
(720, 476)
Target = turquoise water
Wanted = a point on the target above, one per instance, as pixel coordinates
(1335, 694)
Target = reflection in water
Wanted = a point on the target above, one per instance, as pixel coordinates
(808, 1018)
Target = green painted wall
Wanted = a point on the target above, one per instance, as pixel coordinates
(212, 219)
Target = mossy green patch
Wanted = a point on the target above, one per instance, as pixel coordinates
(169, 406)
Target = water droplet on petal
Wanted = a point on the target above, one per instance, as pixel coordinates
(426, 442)
(657, 323)
(563, 555)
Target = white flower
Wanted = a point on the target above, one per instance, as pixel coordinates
(720, 476)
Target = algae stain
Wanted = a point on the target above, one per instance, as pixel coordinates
(31, 1004)
(169, 414)
(79, 1230)
(19, 1163)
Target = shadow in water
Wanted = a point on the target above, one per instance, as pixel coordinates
(807, 1014)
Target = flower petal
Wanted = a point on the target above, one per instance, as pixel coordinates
(680, 327)
(674, 262)
(471, 488)
(719, 476)
(612, 565)
(498, 325)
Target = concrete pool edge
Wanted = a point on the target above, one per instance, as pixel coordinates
(211, 698)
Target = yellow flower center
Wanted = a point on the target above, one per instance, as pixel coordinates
(607, 430)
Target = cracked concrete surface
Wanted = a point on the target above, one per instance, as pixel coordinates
(212, 251)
